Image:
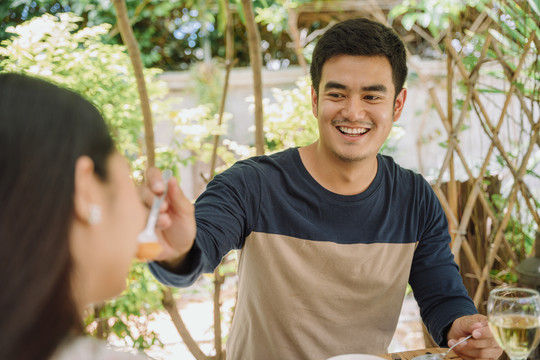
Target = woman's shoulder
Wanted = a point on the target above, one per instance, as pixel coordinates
(87, 348)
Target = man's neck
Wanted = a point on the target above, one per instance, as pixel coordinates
(335, 175)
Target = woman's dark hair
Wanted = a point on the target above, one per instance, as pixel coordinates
(362, 37)
(44, 129)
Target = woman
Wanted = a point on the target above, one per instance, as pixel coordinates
(69, 219)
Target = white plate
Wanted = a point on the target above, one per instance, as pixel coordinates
(356, 357)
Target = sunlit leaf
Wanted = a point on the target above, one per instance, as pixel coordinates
(397, 10)
(408, 20)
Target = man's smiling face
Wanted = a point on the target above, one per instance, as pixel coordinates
(355, 106)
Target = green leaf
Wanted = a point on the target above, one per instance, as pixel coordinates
(443, 144)
(222, 16)
(240, 9)
(535, 6)
(408, 20)
(398, 10)
(424, 19)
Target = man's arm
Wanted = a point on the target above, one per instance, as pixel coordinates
(185, 273)
(446, 307)
(435, 279)
(224, 216)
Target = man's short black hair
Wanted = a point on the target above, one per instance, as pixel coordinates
(361, 37)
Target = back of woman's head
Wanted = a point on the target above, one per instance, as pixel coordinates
(44, 129)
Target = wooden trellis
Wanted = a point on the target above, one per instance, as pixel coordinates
(474, 102)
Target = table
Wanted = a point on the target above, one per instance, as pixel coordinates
(408, 355)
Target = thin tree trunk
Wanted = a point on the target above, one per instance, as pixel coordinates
(103, 330)
(170, 305)
(218, 278)
(229, 64)
(133, 49)
(295, 35)
(115, 30)
(254, 40)
(135, 55)
(218, 281)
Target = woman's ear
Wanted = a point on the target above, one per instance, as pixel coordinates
(87, 209)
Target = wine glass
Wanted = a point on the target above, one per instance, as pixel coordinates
(514, 320)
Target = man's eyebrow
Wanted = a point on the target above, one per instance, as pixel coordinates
(376, 87)
(334, 85)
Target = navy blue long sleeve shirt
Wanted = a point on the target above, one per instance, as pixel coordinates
(322, 274)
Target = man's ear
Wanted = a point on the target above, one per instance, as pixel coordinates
(399, 104)
(314, 102)
(84, 197)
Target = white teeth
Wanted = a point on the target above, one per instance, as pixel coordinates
(352, 131)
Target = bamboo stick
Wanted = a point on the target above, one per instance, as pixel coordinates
(452, 188)
(499, 234)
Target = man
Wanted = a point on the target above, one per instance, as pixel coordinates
(332, 232)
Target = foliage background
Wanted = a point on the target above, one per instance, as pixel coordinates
(80, 48)
(173, 35)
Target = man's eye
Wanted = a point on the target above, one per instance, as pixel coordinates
(335, 95)
(371, 97)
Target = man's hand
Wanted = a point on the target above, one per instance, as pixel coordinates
(482, 345)
(176, 226)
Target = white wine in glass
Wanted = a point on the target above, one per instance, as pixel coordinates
(514, 320)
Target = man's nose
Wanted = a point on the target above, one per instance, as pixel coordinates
(355, 109)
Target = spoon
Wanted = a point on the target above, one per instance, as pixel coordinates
(453, 346)
(148, 245)
(439, 356)
(149, 233)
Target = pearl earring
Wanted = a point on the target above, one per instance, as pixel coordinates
(94, 214)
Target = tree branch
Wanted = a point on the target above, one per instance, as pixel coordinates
(254, 40)
(134, 54)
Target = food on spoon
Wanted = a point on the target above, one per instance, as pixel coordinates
(148, 250)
